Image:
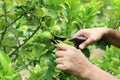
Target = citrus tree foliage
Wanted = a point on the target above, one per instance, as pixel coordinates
(28, 26)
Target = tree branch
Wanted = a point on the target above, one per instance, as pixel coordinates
(13, 53)
(5, 13)
(1, 16)
(6, 28)
(117, 25)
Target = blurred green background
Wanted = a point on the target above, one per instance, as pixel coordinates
(27, 54)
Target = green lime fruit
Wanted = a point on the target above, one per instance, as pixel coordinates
(46, 36)
(56, 30)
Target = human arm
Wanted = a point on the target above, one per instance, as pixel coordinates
(73, 61)
(95, 34)
(112, 36)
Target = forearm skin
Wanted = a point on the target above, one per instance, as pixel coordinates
(112, 36)
(98, 74)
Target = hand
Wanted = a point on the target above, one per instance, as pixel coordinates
(92, 35)
(72, 60)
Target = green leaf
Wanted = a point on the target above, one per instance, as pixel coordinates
(86, 52)
(2, 26)
(16, 32)
(39, 12)
(49, 21)
(73, 8)
(4, 7)
(20, 2)
(5, 61)
(10, 42)
(118, 76)
(9, 2)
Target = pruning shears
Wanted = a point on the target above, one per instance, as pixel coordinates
(75, 40)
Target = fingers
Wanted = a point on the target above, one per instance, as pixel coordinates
(89, 35)
(59, 60)
(63, 66)
(79, 33)
(64, 47)
(60, 53)
(85, 43)
(60, 67)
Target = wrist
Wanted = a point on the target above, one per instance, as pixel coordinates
(106, 32)
(91, 73)
(96, 73)
(88, 71)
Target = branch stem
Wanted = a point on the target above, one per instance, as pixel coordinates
(6, 28)
(13, 53)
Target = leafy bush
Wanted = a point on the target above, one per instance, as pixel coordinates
(110, 61)
(23, 24)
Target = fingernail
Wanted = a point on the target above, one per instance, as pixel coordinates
(81, 47)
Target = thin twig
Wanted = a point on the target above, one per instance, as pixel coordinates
(25, 41)
(5, 13)
(117, 25)
(1, 16)
(6, 28)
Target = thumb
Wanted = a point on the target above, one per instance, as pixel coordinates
(85, 43)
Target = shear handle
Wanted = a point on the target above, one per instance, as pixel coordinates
(77, 41)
